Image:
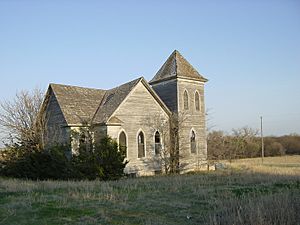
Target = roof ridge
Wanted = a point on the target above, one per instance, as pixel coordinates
(108, 103)
(137, 79)
(176, 64)
(76, 86)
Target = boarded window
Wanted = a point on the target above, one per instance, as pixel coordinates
(123, 143)
(157, 143)
(197, 101)
(193, 143)
(186, 100)
(141, 145)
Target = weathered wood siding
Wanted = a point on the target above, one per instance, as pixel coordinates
(172, 92)
(56, 125)
(137, 113)
(192, 119)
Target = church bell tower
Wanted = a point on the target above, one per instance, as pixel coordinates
(181, 88)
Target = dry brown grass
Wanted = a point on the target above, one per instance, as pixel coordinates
(284, 165)
(246, 193)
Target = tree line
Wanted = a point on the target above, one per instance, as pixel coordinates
(246, 143)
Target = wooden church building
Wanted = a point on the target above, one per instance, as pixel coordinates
(148, 119)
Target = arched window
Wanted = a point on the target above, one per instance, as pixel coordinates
(82, 142)
(186, 100)
(197, 101)
(141, 145)
(82, 138)
(157, 143)
(193, 142)
(123, 143)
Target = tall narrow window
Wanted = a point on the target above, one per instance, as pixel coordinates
(141, 145)
(157, 143)
(123, 143)
(197, 101)
(186, 100)
(83, 142)
(193, 142)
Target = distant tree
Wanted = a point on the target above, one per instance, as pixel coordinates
(242, 143)
(274, 148)
(291, 143)
(217, 145)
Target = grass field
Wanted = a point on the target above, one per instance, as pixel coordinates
(245, 193)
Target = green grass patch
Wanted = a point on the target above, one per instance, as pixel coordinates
(198, 198)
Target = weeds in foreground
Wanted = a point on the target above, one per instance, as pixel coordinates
(233, 196)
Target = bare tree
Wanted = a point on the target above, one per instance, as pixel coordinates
(169, 129)
(217, 144)
(209, 120)
(161, 124)
(20, 120)
(243, 142)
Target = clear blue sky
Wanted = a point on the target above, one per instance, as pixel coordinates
(249, 51)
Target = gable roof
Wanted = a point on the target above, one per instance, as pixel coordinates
(87, 105)
(114, 98)
(177, 66)
(78, 104)
(111, 101)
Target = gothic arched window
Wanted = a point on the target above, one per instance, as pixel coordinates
(197, 101)
(186, 100)
(157, 143)
(123, 143)
(193, 142)
(141, 145)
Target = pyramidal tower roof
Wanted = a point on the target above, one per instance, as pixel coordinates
(177, 66)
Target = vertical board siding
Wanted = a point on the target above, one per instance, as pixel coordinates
(57, 130)
(136, 113)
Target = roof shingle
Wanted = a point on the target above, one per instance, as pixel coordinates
(87, 105)
(78, 104)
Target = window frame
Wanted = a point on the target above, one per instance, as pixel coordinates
(126, 142)
(197, 104)
(139, 144)
(193, 142)
(157, 145)
(186, 100)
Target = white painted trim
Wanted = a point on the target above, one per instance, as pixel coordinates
(190, 81)
(164, 82)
